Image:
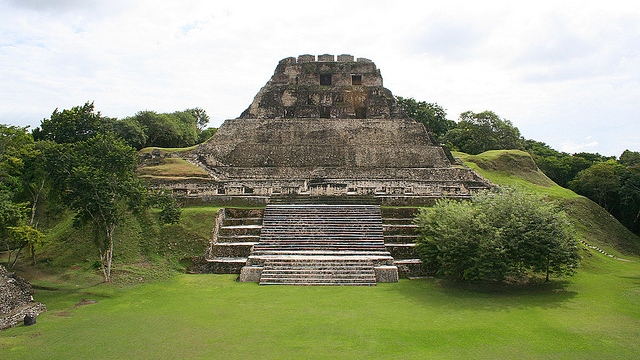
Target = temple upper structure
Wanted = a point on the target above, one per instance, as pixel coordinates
(326, 88)
(325, 126)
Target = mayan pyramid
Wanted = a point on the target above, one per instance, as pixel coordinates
(326, 127)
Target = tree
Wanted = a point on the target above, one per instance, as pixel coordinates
(479, 132)
(432, 115)
(76, 124)
(601, 183)
(131, 131)
(630, 158)
(202, 119)
(206, 134)
(22, 236)
(177, 129)
(23, 184)
(496, 236)
(96, 178)
(559, 166)
(170, 211)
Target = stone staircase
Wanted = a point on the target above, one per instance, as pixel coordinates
(310, 244)
(400, 234)
(235, 233)
(321, 270)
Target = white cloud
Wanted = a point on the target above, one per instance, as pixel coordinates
(558, 70)
(586, 145)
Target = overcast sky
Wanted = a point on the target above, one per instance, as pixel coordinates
(564, 72)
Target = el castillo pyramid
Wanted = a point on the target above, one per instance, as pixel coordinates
(325, 127)
(322, 145)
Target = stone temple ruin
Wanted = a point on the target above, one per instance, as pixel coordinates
(323, 144)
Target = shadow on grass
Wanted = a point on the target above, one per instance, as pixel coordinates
(489, 296)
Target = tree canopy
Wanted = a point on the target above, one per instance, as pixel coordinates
(96, 179)
(495, 237)
(72, 125)
(478, 132)
(432, 115)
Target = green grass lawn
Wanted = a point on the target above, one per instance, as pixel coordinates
(593, 315)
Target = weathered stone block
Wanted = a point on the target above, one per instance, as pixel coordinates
(250, 274)
(386, 274)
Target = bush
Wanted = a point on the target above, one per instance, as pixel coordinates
(496, 236)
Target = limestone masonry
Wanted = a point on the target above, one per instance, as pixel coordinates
(325, 126)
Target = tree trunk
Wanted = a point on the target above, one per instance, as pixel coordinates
(548, 264)
(36, 196)
(107, 256)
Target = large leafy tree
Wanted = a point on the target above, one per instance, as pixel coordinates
(479, 132)
(17, 179)
(496, 236)
(630, 159)
(96, 179)
(613, 186)
(72, 125)
(131, 131)
(432, 115)
(202, 119)
(177, 129)
(601, 183)
(559, 166)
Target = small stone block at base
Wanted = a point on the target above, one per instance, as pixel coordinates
(250, 274)
(386, 274)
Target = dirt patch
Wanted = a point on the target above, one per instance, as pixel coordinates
(85, 302)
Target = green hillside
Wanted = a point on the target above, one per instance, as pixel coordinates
(594, 224)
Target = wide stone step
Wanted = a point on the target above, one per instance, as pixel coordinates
(243, 213)
(319, 252)
(317, 271)
(405, 229)
(238, 238)
(397, 221)
(302, 236)
(402, 251)
(242, 221)
(400, 239)
(240, 230)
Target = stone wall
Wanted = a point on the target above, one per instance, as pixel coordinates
(366, 143)
(16, 299)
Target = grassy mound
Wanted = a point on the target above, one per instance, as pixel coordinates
(172, 167)
(594, 225)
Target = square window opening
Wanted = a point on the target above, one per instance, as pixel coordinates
(325, 79)
(356, 79)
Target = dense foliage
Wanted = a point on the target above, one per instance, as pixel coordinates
(495, 237)
(96, 179)
(432, 115)
(478, 132)
(85, 162)
(612, 183)
(20, 189)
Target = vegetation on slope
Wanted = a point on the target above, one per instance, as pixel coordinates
(172, 167)
(594, 225)
(146, 249)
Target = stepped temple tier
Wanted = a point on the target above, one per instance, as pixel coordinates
(323, 145)
(324, 127)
